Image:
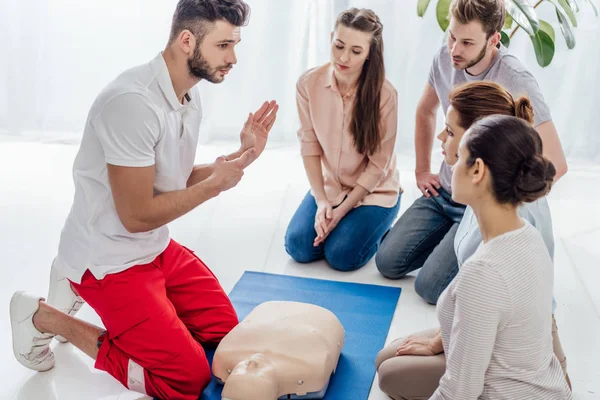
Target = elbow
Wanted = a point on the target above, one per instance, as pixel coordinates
(134, 225)
(561, 170)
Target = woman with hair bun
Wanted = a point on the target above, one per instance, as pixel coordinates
(495, 315)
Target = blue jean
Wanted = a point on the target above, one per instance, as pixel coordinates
(350, 245)
(423, 238)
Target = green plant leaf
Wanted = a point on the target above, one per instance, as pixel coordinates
(549, 29)
(566, 30)
(442, 9)
(591, 2)
(508, 21)
(563, 8)
(523, 13)
(422, 7)
(504, 39)
(544, 48)
(574, 6)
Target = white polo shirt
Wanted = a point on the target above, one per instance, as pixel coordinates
(136, 121)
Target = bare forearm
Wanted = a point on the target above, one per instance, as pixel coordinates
(355, 195)
(201, 172)
(424, 134)
(167, 207)
(314, 172)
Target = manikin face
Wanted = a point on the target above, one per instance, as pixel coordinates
(252, 379)
(215, 56)
(451, 136)
(349, 50)
(467, 43)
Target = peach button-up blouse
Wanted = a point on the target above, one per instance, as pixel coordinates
(325, 118)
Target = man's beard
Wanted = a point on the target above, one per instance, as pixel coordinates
(476, 59)
(200, 69)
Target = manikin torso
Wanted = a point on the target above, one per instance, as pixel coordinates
(280, 348)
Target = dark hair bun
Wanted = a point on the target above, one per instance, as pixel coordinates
(534, 179)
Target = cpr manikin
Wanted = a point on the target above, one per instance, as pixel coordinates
(281, 348)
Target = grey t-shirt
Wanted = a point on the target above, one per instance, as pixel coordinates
(505, 70)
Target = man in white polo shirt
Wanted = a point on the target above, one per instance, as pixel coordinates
(134, 174)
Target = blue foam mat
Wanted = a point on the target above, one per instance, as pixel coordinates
(365, 311)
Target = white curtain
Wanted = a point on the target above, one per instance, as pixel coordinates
(58, 54)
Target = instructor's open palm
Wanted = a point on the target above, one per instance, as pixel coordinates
(257, 127)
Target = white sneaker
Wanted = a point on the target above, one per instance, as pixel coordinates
(62, 297)
(30, 346)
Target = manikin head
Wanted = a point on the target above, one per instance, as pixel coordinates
(252, 379)
(204, 34)
(474, 30)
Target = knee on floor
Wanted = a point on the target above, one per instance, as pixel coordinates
(343, 257)
(388, 266)
(390, 380)
(427, 290)
(299, 247)
(193, 374)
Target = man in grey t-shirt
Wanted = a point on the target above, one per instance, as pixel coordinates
(424, 235)
(505, 69)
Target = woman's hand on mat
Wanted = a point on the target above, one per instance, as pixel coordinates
(257, 127)
(322, 218)
(428, 183)
(417, 346)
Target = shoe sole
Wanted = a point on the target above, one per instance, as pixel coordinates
(13, 325)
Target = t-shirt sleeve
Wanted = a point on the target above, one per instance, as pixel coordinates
(128, 129)
(524, 83)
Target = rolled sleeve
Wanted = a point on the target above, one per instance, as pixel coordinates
(128, 129)
(309, 144)
(379, 162)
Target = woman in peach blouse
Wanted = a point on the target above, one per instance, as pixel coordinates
(348, 114)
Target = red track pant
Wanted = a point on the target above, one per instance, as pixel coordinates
(156, 315)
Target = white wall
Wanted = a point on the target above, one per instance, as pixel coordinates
(59, 54)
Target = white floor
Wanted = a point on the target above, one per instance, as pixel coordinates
(243, 230)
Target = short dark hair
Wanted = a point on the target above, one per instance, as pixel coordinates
(512, 150)
(491, 13)
(194, 15)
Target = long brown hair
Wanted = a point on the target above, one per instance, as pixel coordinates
(476, 100)
(365, 125)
